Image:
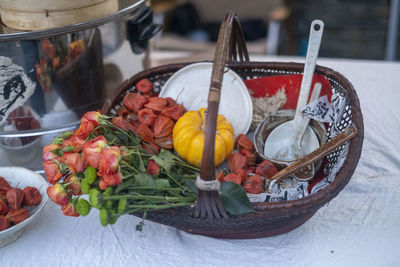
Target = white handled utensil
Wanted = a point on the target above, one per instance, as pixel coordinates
(282, 142)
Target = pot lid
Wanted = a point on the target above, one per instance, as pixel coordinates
(125, 7)
(190, 86)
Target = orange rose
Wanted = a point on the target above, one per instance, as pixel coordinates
(111, 179)
(52, 171)
(92, 150)
(48, 153)
(109, 158)
(58, 194)
(73, 185)
(74, 161)
(74, 141)
(69, 210)
(88, 122)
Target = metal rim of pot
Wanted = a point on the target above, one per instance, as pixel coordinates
(38, 34)
(29, 35)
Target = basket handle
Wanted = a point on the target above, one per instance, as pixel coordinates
(230, 46)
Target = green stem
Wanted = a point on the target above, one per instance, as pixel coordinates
(129, 166)
(128, 176)
(154, 188)
(133, 138)
(174, 180)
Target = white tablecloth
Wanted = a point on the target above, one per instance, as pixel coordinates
(360, 227)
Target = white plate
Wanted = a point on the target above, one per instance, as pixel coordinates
(190, 85)
(21, 177)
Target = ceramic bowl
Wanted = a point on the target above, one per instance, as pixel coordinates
(272, 121)
(21, 177)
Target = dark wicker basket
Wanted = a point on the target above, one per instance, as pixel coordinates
(269, 218)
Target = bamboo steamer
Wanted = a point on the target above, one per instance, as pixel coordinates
(29, 15)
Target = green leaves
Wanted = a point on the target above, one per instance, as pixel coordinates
(144, 179)
(161, 183)
(234, 199)
(165, 159)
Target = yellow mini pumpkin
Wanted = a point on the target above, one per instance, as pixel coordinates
(188, 137)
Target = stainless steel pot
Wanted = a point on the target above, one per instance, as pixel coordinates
(61, 73)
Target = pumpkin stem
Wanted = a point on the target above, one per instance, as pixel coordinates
(203, 124)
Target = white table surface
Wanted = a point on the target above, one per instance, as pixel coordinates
(360, 227)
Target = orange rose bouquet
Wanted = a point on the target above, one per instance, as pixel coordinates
(106, 167)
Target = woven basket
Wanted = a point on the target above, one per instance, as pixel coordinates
(269, 218)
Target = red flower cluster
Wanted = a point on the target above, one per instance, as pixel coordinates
(150, 117)
(245, 170)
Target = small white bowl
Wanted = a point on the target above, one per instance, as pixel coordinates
(21, 178)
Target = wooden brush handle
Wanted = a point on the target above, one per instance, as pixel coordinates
(230, 45)
(317, 154)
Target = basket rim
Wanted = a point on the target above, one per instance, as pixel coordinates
(317, 199)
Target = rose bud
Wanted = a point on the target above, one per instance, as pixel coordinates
(74, 162)
(50, 152)
(14, 198)
(85, 128)
(4, 185)
(153, 168)
(92, 150)
(17, 216)
(92, 116)
(109, 158)
(52, 171)
(4, 223)
(73, 185)
(3, 207)
(58, 194)
(32, 196)
(88, 122)
(69, 210)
